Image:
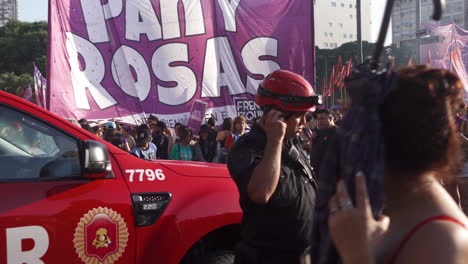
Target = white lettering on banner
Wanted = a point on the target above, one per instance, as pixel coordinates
(179, 82)
(142, 175)
(183, 76)
(95, 15)
(219, 113)
(229, 8)
(141, 19)
(171, 120)
(14, 238)
(92, 74)
(218, 52)
(251, 53)
(248, 108)
(194, 21)
(124, 58)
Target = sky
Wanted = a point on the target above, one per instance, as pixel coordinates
(32, 10)
(377, 10)
(36, 10)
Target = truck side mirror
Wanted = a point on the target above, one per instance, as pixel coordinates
(96, 161)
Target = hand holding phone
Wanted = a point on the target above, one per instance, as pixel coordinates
(274, 125)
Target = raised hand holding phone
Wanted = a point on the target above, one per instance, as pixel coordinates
(274, 125)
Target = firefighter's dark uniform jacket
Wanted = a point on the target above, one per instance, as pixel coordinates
(281, 229)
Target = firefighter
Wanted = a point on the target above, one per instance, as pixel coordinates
(271, 170)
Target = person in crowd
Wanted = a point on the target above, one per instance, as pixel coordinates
(169, 132)
(123, 138)
(144, 148)
(307, 133)
(339, 117)
(176, 137)
(115, 138)
(238, 129)
(211, 122)
(207, 149)
(161, 140)
(127, 132)
(321, 137)
(426, 225)
(83, 122)
(152, 120)
(221, 137)
(182, 150)
(97, 130)
(275, 182)
(87, 127)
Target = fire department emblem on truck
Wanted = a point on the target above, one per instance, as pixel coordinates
(101, 236)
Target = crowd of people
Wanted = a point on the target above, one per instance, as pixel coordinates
(154, 140)
(422, 156)
(277, 169)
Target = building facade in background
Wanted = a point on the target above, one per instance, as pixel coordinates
(336, 24)
(8, 10)
(404, 16)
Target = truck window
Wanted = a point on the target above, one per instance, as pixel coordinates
(31, 149)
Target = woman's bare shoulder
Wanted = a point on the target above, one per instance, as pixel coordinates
(444, 240)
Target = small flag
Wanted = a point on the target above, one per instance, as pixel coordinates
(340, 64)
(429, 59)
(410, 62)
(323, 87)
(27, 95)
(40, 88)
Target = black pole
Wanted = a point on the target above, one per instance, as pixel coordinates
(418, 29)
(382, 34)
(439, 6)
(324, 98)
(359, 31)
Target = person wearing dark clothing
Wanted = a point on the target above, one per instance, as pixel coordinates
(321, 138)
(115, 138)
(222, 136)
(275, 182)
(161, 140)
(208, 149)
(211, 122)
(144, 148)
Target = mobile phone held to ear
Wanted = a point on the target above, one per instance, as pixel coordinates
(282, 117)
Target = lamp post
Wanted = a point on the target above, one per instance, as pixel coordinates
(359, 31)
(418, 28)
(326, 57)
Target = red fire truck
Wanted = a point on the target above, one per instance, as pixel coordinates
(67, 196)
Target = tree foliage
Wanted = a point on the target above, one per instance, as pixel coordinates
(326, 58)
(22, 43)
(15, 84)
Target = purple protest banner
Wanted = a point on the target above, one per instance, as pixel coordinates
(197, 115)
(128, 58)
(450, 51)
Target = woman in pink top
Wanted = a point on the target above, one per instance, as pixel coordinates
(422, 223)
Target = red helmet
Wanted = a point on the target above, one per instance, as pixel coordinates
(288, 91)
